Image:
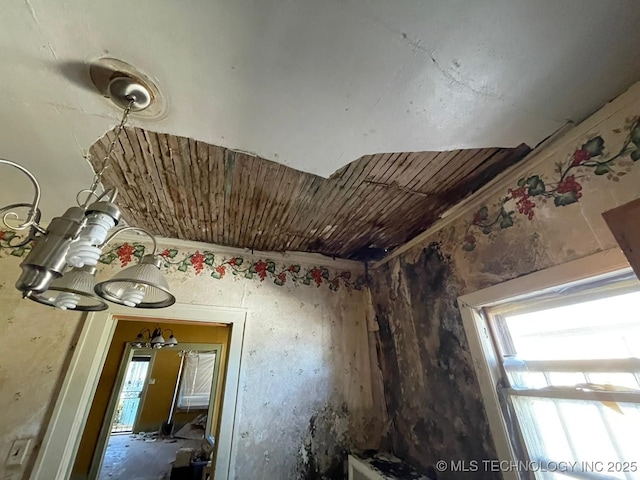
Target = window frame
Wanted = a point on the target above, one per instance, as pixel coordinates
(545, 285)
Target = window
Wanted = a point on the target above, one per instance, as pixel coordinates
(569, 364)
(196, 380)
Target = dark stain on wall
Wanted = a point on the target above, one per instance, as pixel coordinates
(432, 393)
(324, 452)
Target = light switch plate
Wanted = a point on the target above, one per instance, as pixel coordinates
(152, 381)
(18, 452)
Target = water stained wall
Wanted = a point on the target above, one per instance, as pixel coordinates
(537, 217)
(431, 389)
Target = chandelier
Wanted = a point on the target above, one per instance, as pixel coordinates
(154, 339)
(60, 269)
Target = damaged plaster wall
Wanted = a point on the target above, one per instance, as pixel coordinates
(36, 345)
(305, 394)
(543, 213)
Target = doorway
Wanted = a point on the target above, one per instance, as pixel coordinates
(152, 402)
(135, 380)
(162, 417)
(60, 445)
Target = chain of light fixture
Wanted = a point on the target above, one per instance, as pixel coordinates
(61, 265)
(97, 178)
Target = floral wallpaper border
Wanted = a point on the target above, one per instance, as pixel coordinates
(217, 266)
(565, 189)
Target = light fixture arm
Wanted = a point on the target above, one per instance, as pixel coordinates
(137, 229)
(33, 231)
(108, 195)
(32, 220)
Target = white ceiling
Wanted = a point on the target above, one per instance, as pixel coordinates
(311, 84)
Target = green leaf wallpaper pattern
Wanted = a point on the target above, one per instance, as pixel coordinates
(590, 159)
(216, 266)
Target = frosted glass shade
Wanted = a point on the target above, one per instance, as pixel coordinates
(146, 274)
(80, 282)
(139, 342)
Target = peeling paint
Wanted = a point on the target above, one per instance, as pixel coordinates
(432, 393)
(325, 445)
(430, 386)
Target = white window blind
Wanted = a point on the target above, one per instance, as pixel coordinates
(196, 381)
(571, 376)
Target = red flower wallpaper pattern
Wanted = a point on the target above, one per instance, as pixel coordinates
(589, 159)
(216, 266)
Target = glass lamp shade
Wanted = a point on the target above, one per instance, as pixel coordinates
(154, 340)
(75, 290)
(140, 342)
(145, 281)
(157, 340)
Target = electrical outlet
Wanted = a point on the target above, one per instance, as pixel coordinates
(152, 381)
(18, 452)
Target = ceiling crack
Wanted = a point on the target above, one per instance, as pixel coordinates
(53, 52)
(32, 11)
(445, 71)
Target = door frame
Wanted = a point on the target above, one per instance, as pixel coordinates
(128, 355)
(107, 421)
(62, 438)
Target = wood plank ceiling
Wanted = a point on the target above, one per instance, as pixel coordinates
(181, 188)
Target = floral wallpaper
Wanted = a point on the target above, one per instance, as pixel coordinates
(217, 266)
(564, 189)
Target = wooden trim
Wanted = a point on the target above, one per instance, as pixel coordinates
(573, 394)
(619, 282)
(62, 438)
(623, 223)
(487, 367)
(629, 365)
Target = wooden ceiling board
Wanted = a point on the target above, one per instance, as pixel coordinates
(389, 210)
(182, 188)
